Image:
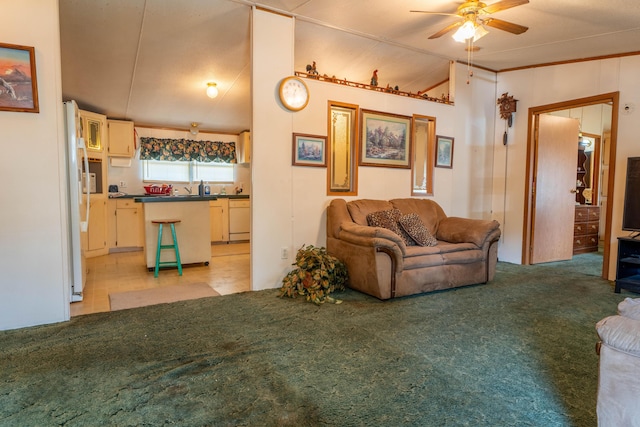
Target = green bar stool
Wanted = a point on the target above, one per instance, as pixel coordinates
(174, 246)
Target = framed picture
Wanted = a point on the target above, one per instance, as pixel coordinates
(18, 87)
(385, 140)
(309, 150)
(444, 152)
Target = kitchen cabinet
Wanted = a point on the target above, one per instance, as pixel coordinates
(219, 218)
(239, 220)
(121, 138)
(96, 235)
(243, 150)
(93, 127)
(126, 225)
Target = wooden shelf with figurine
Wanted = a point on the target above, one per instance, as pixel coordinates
(311, 73)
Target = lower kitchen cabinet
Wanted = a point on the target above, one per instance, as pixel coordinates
(219, 213)
(96, 236)
(126, 224)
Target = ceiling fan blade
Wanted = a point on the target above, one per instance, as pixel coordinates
(502, 5)
(433, 13)
(445, 30)
(505, 26)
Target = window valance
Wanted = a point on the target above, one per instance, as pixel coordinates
(185, 150)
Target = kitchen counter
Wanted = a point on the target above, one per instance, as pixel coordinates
(172, 199)
(146, 198)
(193, 231)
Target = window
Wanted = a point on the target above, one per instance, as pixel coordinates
(165, 171)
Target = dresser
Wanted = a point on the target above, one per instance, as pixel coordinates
(585, 229)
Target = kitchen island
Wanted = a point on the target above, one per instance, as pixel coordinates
(193, 231)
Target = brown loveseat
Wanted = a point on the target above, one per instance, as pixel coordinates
(381, 262)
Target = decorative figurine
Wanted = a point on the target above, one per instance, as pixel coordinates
(374, 78)
(311, 69)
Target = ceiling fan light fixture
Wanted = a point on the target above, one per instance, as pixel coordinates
(480, 32)
(465, 32)
(212, 90)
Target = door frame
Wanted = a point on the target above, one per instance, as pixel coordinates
(532, 167)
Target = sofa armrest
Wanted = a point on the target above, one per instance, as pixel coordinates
(379, 238)
(351, 230)
(620, 333)
(465, 230)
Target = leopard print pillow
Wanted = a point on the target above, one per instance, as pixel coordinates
(414, 227)
(389, 219)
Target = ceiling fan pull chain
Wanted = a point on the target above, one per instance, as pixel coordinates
(469, 58)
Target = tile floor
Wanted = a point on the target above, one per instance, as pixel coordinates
(227, 272)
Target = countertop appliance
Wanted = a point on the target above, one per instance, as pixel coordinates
(78, 221)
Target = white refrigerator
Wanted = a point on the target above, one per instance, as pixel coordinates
(78, 217)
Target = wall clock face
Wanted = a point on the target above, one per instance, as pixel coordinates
(294, 93)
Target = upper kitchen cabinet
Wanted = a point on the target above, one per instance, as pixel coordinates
(244, 147)
(94, 126)
(121, 138)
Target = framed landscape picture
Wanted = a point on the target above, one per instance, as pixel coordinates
(444, 152)
(385, 140)
(18, 87)
(309, 150)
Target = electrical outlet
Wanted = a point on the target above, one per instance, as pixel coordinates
(123, 184)
(284, 253)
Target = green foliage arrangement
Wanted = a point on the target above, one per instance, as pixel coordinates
(316, 276)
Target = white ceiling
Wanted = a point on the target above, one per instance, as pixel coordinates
(149, 60)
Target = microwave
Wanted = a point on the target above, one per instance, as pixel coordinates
(92, 182)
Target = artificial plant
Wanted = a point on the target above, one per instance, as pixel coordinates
(317, 275)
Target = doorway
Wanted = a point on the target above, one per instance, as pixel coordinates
(537, 156)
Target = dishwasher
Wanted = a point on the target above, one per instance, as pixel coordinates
(239, 220)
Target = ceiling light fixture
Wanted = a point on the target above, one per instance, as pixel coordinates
(465, 32)
(212, 90)
(470, 32)
(194, 129)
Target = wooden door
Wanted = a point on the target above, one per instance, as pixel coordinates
(555, 186)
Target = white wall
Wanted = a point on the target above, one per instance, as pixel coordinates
(546, 85)
(32, 219)
(289, 202)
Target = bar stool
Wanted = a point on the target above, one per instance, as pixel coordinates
(174, 246)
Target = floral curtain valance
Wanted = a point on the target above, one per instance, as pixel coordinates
(185, 150)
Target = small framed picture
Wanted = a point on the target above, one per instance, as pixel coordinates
(18, 87)
(309, 150)
(444, 152)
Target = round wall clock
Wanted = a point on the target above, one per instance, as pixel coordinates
(294, 93)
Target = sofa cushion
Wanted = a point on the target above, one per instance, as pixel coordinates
(413, 225)
(630, 307)
(429, 211)
(389, 219)
(359, 209)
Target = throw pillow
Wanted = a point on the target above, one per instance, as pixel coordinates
(389, 219)
(414, 227)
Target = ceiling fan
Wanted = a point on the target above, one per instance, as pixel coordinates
(472, 15)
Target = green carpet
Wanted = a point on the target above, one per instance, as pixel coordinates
(518, 351)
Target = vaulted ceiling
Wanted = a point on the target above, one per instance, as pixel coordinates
(149, 60)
